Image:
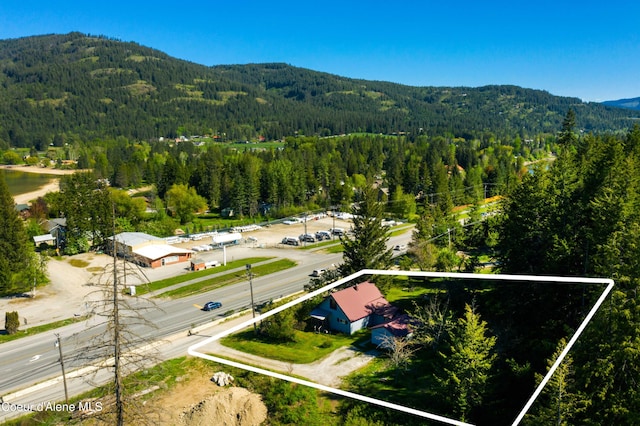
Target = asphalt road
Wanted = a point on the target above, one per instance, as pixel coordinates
(35, 360)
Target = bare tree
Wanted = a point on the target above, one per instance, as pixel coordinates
(433, 321)
(119, 338)
(399, 349)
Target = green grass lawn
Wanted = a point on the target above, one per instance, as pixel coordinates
(399, 230)
(338, 248)
(307, 348)
(157, 285)
(230, 278)
(395, 294)
(40, 329)
(320, 244)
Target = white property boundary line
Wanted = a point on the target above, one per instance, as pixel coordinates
(192, 350)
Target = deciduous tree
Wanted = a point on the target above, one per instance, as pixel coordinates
(184, 202)
(281, 326)
(86, 204)
(11, 322)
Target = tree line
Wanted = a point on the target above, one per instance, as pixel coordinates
(306, 173)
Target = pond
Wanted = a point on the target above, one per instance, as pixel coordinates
(21, 182)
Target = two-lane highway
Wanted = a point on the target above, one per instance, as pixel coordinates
(32, 359)
(27, 361)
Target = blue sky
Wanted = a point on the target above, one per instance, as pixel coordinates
(588, 49)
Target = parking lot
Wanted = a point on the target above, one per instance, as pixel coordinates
(271, 236)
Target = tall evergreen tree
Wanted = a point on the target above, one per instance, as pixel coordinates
(368, 247)
(468, 364)
(14, 245)
(560, 402)
(567, 136)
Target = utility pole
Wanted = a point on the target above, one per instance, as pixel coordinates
(58, 344)
(305, 228)
(334, 224)
(253, 309)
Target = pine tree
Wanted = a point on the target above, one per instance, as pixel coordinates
(368, 247)
(559, 402)
(567, 137)
(14, 248)
(468, 364)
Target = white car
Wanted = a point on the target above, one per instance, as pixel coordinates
(318, 272)
(400, 247)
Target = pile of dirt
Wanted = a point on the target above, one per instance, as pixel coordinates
(231, 407)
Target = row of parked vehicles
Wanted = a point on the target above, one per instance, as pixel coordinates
(312, 238)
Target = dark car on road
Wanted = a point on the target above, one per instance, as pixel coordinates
(210, 306)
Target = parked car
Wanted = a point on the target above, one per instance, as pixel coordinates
(337, 231)
(307, 237)
(292, 241)
(210, 306)
(400, 247)
(323, 235)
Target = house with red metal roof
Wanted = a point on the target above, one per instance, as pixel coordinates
(354, 308)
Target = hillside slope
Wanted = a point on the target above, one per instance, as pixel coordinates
(99, 87)
(632, 103)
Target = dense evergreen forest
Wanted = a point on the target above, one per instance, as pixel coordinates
(56, 88)
(479, 349)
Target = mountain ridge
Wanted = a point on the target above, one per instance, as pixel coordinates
(629, 103)
(97, 87)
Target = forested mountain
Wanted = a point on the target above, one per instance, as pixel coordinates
(89, 86)
(632, 103)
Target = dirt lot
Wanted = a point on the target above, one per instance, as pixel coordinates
(272, 235)
(198, 401)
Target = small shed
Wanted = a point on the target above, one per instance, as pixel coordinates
(44, 239)
(398, 327)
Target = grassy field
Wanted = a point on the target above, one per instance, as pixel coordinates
(39, 329)
(230, 278)
(320, 244)
(399, 230)
(158, 285)
(307, 348)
